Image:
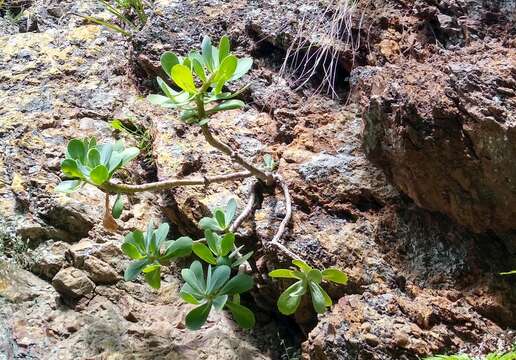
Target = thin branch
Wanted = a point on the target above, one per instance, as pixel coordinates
(110, 187)
(283, 226)
(267, 178)
(238, 221)
(248, 208)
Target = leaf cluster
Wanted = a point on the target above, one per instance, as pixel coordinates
(151, 250)
(201, 77)
(217, 290)
(89, 162)
(308, 280)
(220, 249)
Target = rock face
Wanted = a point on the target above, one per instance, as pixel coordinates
(444, 132)
(419, 283)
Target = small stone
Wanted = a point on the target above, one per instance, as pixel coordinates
(401, 339)
(99, 271)
(49, 258)
(371, 339)
(72, 283)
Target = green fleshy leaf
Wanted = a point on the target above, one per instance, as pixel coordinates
(194, 276)
(318, 299)
(238, 284)
(283, 273)
(153, 277)
(315, 276)
(115, 161)
(76, 150)
(160, 100)
(179, 248)
(187, 294)
(161, 234)
(134, 269)
(99, 175)
(93, 157)
(70, 168)
(168, 60)
(221, 218)
(207, 52)
(219, 302)
(304, 267)
(242, 315)
(189, 116)
(289, 300)
(226, 70)
(118, 206)
(131, 250)
(196, 318)
(227, 105)
(243, 66)
(219, 277)
(198, 69)
(129, 154)
(68, 186)
(137, 239)
(213, 241)
(335, 276)
(183, 78)
(224, 48)
(231, 208)
(226, 244)
(203, 252)
(209, 224)
(106, 150)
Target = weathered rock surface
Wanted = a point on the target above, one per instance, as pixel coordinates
(73, 283)
(49, 258)
(418, 282)
(444, 132)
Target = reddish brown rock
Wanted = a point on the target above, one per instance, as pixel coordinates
(444, 132)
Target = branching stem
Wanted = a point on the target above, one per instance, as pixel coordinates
(247, 210)
(283, 226)
(170, 184)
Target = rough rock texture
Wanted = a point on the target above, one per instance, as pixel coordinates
(73, 283)
(444, 131)
(419, 283)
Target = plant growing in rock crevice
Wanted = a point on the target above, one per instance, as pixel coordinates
(201, 78)
(130, 15)
(308, 280)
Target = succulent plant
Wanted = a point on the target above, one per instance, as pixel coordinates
(201, 78)
(220, 250)
(309, 279)
(151, 250)
(217, 291)
(89, 162)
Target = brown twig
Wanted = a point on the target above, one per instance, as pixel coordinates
(110, 187)
(267, 178)
(283, 225)
(238, 221)
(248, 208)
